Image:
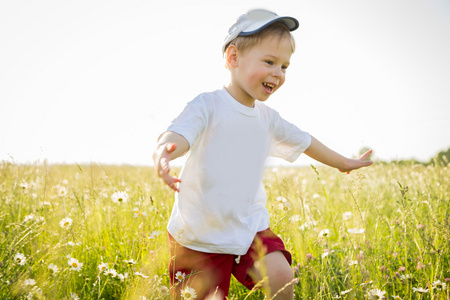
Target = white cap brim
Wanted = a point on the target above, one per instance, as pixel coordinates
(254, 21)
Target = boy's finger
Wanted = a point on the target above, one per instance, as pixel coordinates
(170, 147)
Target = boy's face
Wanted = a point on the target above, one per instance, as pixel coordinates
(260, 70)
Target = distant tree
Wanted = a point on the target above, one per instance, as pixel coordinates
(442, 158)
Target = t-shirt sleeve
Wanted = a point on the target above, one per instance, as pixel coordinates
(288, 141)
(191, 122)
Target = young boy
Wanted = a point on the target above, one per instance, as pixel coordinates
(220, 224)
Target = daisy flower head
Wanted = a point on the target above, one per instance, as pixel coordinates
(74, 264)
(61, 190)
(376, 294)
(324, 233)
(110, 272)
(346, 292)
(356, 231)
(130, 262)
(326, 253)
(29, 217)
(66, 223)
(395, 297)
(367, 282)
(439, 285)
(20, 259)
(102, 267)
(347, 215)
(53, 269)
(180, 276)
(420, 290)
(74, 296)
(406, 277)
(295, 218)
(353, 262)
(30, 282)
(188, 293)
(281, 199)
(139, 213)
(122, 277)
(140, 275)
(285, 206)
(119, 197)
(153, 235)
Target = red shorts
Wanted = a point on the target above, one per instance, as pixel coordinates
(208, 273)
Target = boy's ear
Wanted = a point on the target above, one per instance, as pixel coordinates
(232, 56)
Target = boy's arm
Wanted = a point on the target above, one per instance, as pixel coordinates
(325, 155)
(170, 146)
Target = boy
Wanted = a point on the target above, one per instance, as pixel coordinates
(220, 224)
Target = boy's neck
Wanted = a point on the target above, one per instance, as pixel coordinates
(246, 101)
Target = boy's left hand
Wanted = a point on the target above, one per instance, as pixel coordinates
(360, 162)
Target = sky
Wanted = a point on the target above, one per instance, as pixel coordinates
(97, 81)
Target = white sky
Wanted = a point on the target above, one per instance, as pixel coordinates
(98, 81)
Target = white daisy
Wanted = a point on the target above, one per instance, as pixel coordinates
(346, 292)
(180, 276)
(285, 206)
(20, 259)
(353, 262)
(295, 218)
(23, 184)
(420, 290)
(396, 297)
(29, 282)
(139, 213)
(53, 269)
(61, 190)
(324, 233)
(406, 276)
(347, 215)
(74, 296)
(367, 282)
(153, 235)
(130, 261)
(281, 199)
(29, 217)
(74, 264)
(66, 223)
(326, 253)
(110, 272)
(122, 277)
(140, 275)
(102, 267)
(356, 231)
(438, 285)
(188, 293)
(119, 197)
(376, 294)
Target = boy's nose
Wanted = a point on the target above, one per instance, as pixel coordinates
(277, 72)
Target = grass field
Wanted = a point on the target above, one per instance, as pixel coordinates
(98, 232)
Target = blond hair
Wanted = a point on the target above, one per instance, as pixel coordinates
(278, 29)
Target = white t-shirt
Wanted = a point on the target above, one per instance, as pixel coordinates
(222, 203)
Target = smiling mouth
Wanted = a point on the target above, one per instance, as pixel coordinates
(269, 87)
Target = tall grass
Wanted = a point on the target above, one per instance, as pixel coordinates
(380, 232)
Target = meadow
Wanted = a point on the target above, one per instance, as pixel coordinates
(99, 232)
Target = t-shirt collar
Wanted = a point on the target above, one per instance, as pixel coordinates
(248, 111)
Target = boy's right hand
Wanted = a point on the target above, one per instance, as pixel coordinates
(162, 159)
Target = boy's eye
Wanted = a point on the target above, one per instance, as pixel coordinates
(269, 62)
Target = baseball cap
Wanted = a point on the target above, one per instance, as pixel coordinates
(255, 20)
